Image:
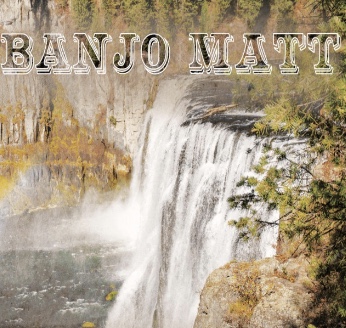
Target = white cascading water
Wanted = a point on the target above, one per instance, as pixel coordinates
(182, 178)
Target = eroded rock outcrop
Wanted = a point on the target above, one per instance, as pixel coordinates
(260, 294)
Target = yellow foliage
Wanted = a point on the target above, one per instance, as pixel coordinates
(284, 274)
(111, 296)
(63, 143)
(248, 290)
(241, 308)
(6, 184)
(88, 324)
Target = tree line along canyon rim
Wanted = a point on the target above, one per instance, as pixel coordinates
(210, 53)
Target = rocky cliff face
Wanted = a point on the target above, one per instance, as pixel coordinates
(27, 15)
(123, 97)
(101, 112)
(262, 294)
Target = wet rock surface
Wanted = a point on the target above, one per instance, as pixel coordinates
(220, 100)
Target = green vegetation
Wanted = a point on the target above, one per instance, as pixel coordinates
(176, 19)
(248, 290)
(110, 9)
(308, 186)
(112, 294)
(83, 11)
(212, 13)
(284, 274)
(113, 121)
(170, 17)
(249, 10)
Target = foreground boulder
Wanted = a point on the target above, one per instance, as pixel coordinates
(262, 294)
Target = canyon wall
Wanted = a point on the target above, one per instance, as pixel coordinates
(43, 116)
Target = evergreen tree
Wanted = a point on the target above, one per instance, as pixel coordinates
(83, 11)
(308, 186)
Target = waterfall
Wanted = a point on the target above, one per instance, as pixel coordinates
(183, 175)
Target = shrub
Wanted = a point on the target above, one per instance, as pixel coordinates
(83, 12)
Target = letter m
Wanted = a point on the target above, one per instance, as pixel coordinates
(210, 53)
